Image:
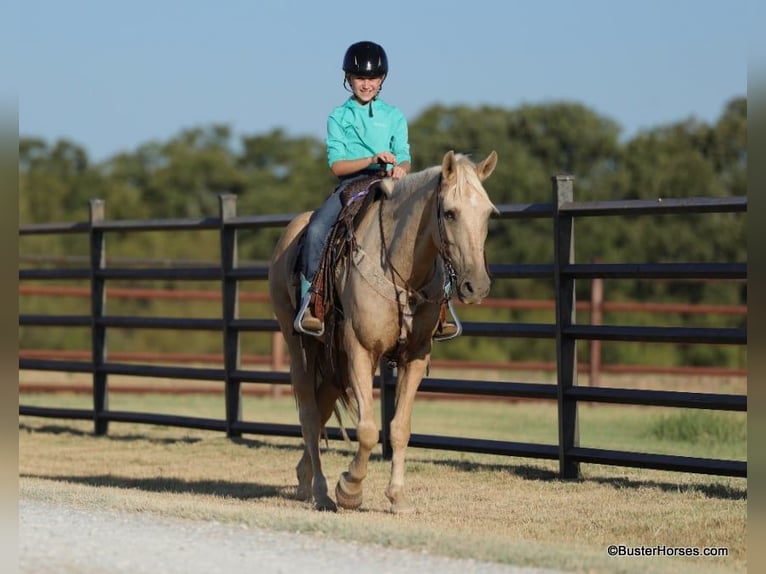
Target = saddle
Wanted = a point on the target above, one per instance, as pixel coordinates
(356, 198)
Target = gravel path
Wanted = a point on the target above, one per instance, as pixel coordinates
(58, 539)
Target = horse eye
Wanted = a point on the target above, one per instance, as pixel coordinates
(449, 215)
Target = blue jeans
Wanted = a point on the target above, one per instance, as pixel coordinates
(317, 233)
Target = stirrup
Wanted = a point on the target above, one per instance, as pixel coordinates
(458, 325)
(299, 318)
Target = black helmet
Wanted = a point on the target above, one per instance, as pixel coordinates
(366, 59)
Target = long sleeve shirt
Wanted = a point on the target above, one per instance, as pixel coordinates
(355, 131)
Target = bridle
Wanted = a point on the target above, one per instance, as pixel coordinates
(443, 243)
(413, 295)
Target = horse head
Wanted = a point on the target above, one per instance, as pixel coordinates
(463, 213)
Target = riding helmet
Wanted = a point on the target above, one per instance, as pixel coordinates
(366, 59)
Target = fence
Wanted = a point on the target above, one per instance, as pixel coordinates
(596, 307)
(565, 332)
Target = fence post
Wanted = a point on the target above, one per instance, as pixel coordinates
(97, 312)
(387, 405)
(230, 303)
(566, 346)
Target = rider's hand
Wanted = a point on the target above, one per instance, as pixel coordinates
(385, 157)
(397, 172)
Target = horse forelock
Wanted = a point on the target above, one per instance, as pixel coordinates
(468, 186)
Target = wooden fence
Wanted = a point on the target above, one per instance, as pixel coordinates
(564, 331)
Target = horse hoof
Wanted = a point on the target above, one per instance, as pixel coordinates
(303, 494)
(398, 500)
(325, 506)
(347, 500)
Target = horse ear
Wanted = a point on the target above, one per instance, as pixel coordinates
(449, 166)
(485, 168)
(387, 187)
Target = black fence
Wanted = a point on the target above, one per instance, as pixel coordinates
(565, 331)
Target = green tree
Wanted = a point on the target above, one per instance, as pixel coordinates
(53, 180)
(284, 175)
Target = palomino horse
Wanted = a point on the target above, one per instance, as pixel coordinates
(429, 227)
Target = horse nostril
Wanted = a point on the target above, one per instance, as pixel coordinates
(468, 287)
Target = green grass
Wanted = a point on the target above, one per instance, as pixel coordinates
(700, 427)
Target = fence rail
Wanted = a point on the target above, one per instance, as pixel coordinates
(595, 308)
(565, 331)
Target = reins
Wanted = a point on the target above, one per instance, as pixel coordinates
(443, 252)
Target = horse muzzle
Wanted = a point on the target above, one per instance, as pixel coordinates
(473, 292)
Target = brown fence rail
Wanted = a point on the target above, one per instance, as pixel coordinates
(564, 331)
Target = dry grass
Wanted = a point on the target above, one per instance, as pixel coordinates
(486, 507)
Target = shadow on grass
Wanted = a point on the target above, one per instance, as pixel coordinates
(715, 490)
(71, 431)
(135, 437)
(53, 429)
(257, 443)
(238, 490)
(531, 472)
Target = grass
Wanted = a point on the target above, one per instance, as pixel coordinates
(507, 510)
(701, 426)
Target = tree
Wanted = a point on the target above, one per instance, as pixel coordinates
(283, 174)
(53, 180)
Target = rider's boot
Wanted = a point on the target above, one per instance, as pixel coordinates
(305, 321)
(445, 329)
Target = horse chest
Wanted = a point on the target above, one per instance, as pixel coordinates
(389, 318)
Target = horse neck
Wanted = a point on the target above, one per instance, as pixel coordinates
(409, 228)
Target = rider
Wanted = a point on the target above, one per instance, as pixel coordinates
(364, 136)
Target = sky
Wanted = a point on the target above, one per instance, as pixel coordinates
(111, 75)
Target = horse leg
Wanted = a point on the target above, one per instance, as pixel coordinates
(304, 472)
(348, 491)
(327, 396)
(409, 377)
(311, 479)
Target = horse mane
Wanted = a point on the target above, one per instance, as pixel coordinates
(417, 179)
(466, 178)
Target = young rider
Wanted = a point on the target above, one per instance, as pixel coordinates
(364, 135)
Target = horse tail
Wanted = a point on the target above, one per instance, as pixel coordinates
(338, 418)
(326, 371)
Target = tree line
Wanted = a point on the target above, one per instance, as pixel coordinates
(275, 173)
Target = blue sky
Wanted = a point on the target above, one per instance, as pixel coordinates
(111, 75)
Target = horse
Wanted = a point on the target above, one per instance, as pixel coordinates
(419, 233)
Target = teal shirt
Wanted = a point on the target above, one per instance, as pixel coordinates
(353, 134)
